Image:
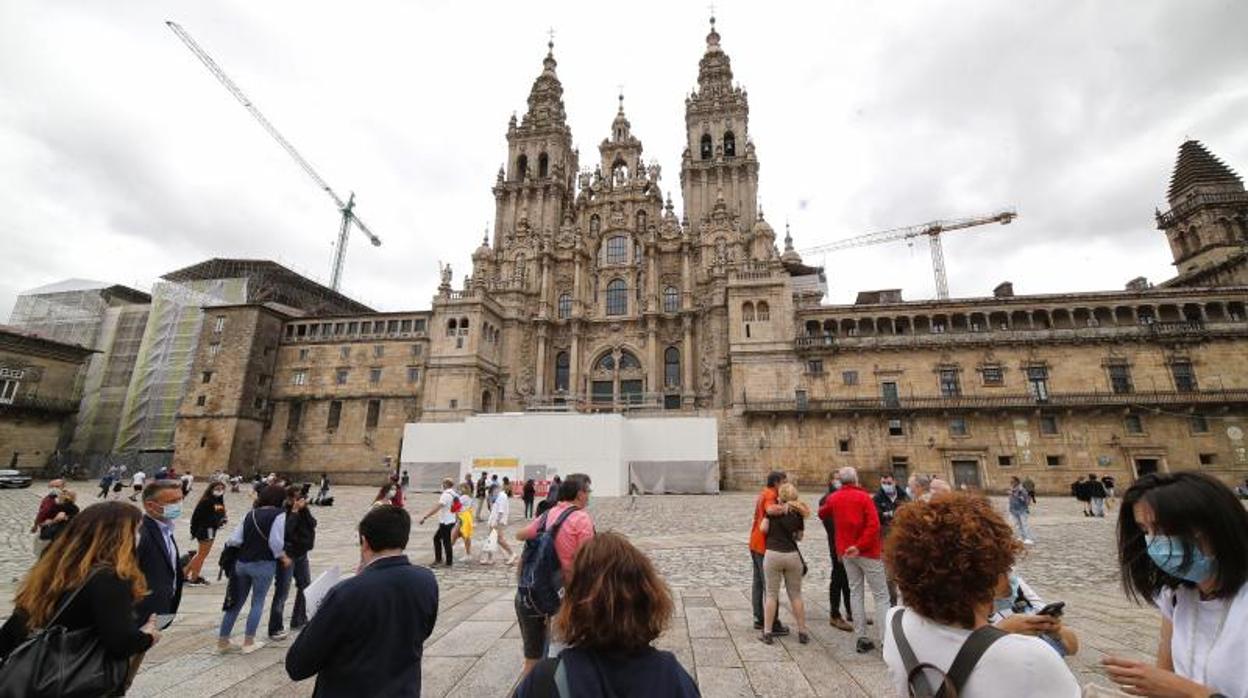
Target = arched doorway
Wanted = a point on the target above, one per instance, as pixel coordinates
(617, 379)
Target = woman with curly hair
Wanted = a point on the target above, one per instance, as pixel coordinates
(614, 606)
(951, 558)
(94, 556)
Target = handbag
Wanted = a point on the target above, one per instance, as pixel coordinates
(55, 661)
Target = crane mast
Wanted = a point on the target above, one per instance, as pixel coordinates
(932, 230)
(345, 208)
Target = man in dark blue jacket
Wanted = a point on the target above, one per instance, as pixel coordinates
(887, 499)
(158, 550)
(368, 634)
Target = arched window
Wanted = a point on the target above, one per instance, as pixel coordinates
(463, 325)
(617, 297)
(706, 149)
(543, 165)
(522, 166)
(617, 250)
(619, 168)
(671, 367)
(671, 300)
(730, 145)
(450, 327)
(629, 361)
(565, 306)
(747, 311)
(561, 371)
(595, 223)
(641, 222)
(764, 312)
(606, 363)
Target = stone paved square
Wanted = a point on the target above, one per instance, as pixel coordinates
(698, 544)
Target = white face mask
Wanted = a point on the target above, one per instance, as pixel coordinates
(138, 533)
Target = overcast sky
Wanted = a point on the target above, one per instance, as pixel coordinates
(122, 159)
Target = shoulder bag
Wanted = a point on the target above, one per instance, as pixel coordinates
(964, 662)
(64, 663)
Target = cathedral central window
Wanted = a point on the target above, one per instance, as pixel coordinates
(617, 297)
(617, 250)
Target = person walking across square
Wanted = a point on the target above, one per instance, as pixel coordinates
(447, 509)
(1020, 509)
(859, 544)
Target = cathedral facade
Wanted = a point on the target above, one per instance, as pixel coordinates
(592, 293)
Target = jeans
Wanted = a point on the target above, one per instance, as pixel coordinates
(870, 571)
(302, 575)
(838, 589)
(1098, 506)
(528, 508)
(442, 542)
(254, 578)
(1020, 522)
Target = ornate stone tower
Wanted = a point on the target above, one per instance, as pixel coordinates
(1207, 224)
(535, 187)
(718, 162)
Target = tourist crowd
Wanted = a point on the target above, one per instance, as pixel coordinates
(948, 604)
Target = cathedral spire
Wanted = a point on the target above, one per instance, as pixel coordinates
(715, 69)
(546, 97)
(1197, 167)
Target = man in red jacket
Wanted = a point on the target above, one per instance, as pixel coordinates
(858, 544)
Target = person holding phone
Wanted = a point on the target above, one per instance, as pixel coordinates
(1019, 609)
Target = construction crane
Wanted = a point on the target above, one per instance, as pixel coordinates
(347, 208)
(932, 230)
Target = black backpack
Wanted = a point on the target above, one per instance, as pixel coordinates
(959, 671)
(541, 575)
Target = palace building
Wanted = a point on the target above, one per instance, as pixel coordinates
(593, 294)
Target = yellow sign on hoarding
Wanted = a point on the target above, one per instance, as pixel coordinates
(495, 463)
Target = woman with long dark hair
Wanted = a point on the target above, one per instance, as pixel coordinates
(1183, 547)
(95, 556)
(614, 606)
(261, 541)
(208, 518)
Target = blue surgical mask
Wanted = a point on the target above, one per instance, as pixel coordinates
(1167, 553)
(1007, 603)
(172, 511)
(889, 489)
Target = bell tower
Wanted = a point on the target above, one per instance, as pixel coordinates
(719, 157)
(1207, 224)
(535, 186)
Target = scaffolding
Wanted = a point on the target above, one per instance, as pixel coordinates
(162, 367)
(107, 380)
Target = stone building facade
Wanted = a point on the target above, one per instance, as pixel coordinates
(40, 385)
(591, 293)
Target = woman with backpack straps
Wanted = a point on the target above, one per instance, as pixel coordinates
(950, 558)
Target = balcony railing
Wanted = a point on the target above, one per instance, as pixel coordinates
(1010, 401)
(1167, 219)
(1142, 331)
(628, 402)
(38, 404)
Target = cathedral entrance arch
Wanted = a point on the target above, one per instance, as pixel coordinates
(617, 380)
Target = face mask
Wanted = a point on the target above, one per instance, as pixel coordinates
(393, 492)
(1007, 603)
(136, 539)
(172, 511)
(54, 492)
(1167, 553)
(218, 493)
(889, 489)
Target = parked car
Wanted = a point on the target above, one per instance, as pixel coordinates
(10, 479)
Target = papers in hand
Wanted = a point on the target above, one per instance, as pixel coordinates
(316, 591)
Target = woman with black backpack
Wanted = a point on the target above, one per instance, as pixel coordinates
(86, 586)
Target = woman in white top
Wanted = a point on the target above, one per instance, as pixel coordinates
(951, 558)
(499, 514)
(1183, 546)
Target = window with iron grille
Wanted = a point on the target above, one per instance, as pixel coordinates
(373, 416)
(949, 386)
(1184, 376)
(1120, 378)
(957, 426)
(374, 375)
(849, 377)
(299, 377)
(413, 374)
(993, 375)
(1134, 424)
(340, 376)
(671, 300)
(1048, 424)
(1038, 382)
(814, 366)
(565, 306)
(617, 250)
(617, 297)
(1198, 423)
(671, 367)
(895, 428)
(335, 415)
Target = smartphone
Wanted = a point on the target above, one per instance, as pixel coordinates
(164, 620)
(1054, 609)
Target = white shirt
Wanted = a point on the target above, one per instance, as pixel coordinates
(1019, 666)
(139, 478)
(502, 507)
(445, 516)
(1199, 651)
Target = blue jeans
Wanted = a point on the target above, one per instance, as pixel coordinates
(254, 578)
(1020, 522)
(281, 589)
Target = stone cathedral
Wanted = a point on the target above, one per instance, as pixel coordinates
(592, 293)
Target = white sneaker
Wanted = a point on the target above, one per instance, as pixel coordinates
(1028, 541)
(248, 649)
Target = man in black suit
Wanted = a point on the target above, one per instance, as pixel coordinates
(158, 549)
(368, 634)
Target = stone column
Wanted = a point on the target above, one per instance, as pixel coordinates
(654, 380)
(576, 290)
(544, 299)
(574, 360)
(686, 288)
(540, 388)
(686, 359)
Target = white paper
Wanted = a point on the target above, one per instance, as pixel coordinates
(316, 591)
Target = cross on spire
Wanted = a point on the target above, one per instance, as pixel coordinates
(551, 42)
(711, 7)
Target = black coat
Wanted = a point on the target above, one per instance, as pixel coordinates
(300, 533)
(164, 576)
(368, 635)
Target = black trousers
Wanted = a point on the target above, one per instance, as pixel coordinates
(442, 542)
(760, 585)
(838, 590)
